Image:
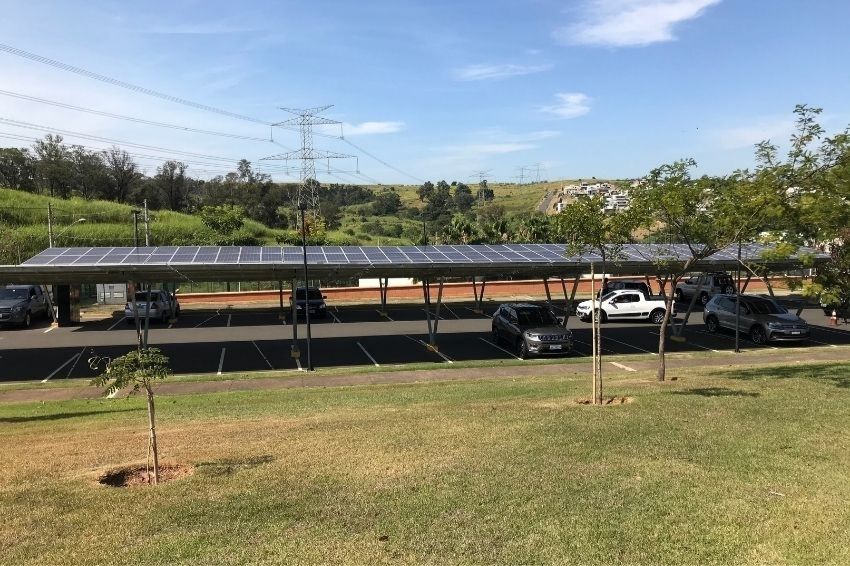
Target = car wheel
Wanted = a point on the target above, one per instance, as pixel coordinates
(677, 294)
(704, 299)
(657, 316)
(522, 350)
(712, 324)
(758, 335)
(729, 290)
(27, 320)
(496, 337)
(602, 316)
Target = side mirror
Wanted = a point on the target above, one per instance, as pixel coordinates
(324, 296)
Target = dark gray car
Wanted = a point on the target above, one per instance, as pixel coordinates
(310, 298)
(21, 304)
(530, 330)
(760, 317)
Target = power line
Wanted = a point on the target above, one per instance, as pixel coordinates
(129, 118)
(382, 162)
(123, 84)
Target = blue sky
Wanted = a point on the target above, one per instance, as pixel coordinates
(439, 89)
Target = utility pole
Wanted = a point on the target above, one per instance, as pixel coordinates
(482, 175)
(537, 175)
(49, 225)
(147, 226)
(521, 175)
(135, 212)
(307, 197)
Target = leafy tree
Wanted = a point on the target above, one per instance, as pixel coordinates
(54, 165)
(224, 221)
(89, 173)
(533, 229)
(121, 173)
(460, 230)
(138, 369)
(463, 199)
(331, 214)
(171, 180)
(386, 203)
(17, 169)
(425, 191)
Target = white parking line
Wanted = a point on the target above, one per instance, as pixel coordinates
(117, 322)
(733, 339)
(824, 328)
(473, 312)
(630, 346)
(432, 314)
(427, 346)
(205, 321)
(368, 355)
(221, 360)
(336, 318)
(697, 345)
(454, 314)
(79, 357)
(298, 363)
(263, 355)
(229, 317)
(50, 329)
(622, 366)
(511, 354)
(57, 370)
(385, 315)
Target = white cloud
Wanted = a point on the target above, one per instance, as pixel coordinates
(497, 71)
(570, 105)
(369, 128)
(737, 137)
(620, 23)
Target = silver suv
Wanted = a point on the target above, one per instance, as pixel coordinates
(530, 330)
(762, 318)
(163, 306)
(21, 304)
(705, 286)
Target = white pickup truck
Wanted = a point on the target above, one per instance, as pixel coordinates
(625, 304)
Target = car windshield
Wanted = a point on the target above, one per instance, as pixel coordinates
(143, 297)
(765, 307)
(535, 317)
(314, 294)
(607, 296)
(723, 280)
(7, 294)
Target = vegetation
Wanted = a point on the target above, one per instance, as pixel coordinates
(486, 471)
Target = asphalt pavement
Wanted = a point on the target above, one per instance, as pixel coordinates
(241, 340)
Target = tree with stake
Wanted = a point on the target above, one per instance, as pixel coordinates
(137, 369)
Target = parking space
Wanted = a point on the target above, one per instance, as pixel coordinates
(233, 340)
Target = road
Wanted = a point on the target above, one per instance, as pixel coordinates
(256, 340)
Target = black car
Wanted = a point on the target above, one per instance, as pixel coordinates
(310, 298)
(530, 330)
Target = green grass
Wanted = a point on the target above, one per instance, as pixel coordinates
(731, 466)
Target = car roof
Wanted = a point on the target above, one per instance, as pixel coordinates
(522, 305)
(20, 286)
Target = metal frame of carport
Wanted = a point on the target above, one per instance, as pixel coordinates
(644, 259)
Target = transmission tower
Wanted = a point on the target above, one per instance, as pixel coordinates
(481, 176)
(521, 177)
(304, 119)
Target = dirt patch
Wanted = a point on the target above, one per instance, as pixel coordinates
(607, 401)
(139, 475)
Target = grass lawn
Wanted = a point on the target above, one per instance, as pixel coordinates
(724, 466)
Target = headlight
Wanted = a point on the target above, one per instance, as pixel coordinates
(774, 325)
(531, 336)
(298, 307)
(17, 308)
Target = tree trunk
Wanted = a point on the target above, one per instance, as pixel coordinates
(152, 423)
(662, 330)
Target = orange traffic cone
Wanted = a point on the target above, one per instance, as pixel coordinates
(833, 320)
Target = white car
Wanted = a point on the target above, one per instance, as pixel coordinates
(625, 304)
(163, 306)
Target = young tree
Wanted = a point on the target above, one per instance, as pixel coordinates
(386, 203)
(587, 229)
(224, 221)
(89, 172)
(54, 165)
(171, 179)
(425, 191)
(138, 369)
(121, 174)
(17, 169)
(463, 199)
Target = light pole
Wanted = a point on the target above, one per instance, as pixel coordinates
(135, 212)
(55, 237)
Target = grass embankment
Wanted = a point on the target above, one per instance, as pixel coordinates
(745, 465)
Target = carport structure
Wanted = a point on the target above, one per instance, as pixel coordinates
(430, 264)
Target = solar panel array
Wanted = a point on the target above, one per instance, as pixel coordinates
(370, 255)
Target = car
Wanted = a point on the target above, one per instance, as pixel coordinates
(21, 304)
(762, 318)
(629, 285)
(705, 286)
(311, 298)
(163, 306)
(625, 304)
(531, 330)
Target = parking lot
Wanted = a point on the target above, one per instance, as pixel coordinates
(240, 340)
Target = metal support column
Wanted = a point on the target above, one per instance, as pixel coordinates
(426, 294)
(294, 351)
(568, 303)
(479, 295)
(437, 311)
(383, 284)
(282, 315)
(746, 283)
(548, 294)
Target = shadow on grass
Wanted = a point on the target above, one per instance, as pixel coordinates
(716, 392)
(228, 466)
(835, 374)
(60, 416)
